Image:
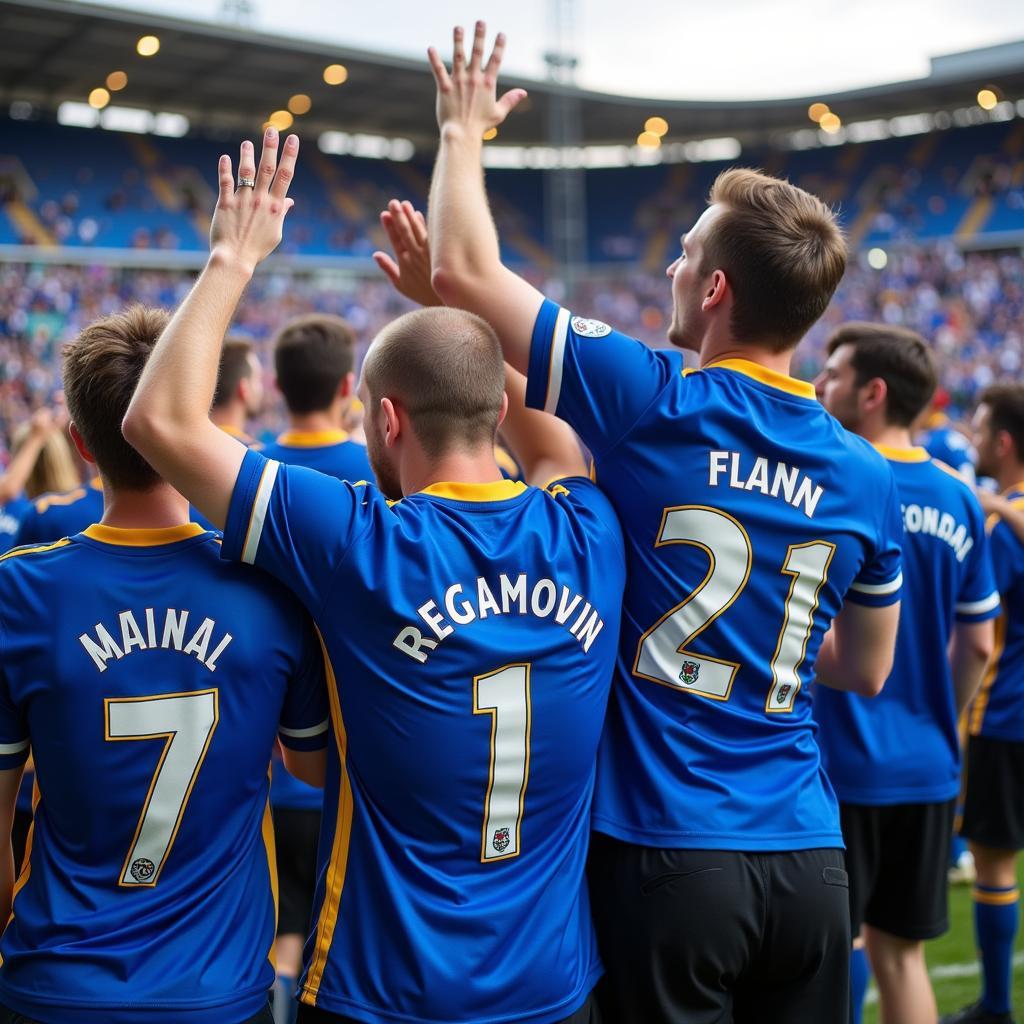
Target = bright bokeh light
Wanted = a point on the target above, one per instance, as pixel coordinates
(656, 125)
(116, 81)
(816, 111)
(987, 99)
(300, 103)
(335, 74)
(491, 133)
(99, 98)
(147, 46)
(877, 259)
(281, 120)
(648, 140)
(830, 123)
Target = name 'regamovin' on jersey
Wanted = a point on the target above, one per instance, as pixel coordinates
(749, 515)
(473, 628)
(151, 679)
(902, 746)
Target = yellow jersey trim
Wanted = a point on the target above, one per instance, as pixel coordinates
(894, 454)
(142, 538)
(35, 549)
(980, 705)
(774, 379)
(498, 490)
(337, 866)
(312, 438)
(506, 462)
(270, 846)
(67, 498)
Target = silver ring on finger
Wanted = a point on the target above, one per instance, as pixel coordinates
(246, 182)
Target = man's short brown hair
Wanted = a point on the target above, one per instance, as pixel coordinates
(782, 252)
(446, 369)
(896, 355)
(1006, 411)
(102, 367)
(312, 356)
(234, 368)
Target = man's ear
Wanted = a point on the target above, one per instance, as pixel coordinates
(80, 444)
(392, 423)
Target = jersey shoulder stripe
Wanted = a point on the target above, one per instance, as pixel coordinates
(34, 549)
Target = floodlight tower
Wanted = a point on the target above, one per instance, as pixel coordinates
(564, 185)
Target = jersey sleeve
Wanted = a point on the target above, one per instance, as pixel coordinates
(14, 742)
(305, 717)
(978, 598)
(594, 511)
(597, 380)
(881, 577)
(294, 523)
(1007, 556)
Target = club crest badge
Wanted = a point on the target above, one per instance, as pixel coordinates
(501, 840)
(689, 672)
(142, 869)
(585, 328)
(783, 694)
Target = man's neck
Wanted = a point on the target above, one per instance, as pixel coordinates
(888, 436)
(230, 417)
(316, 422)
(717, 350)
(1010, 475)
(458, 467)
(155, 509)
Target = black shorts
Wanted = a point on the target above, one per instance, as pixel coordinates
(586, 1014)
(897, 857)
(994, 799)
(706, 936)
(265, 1016)
(296, 834)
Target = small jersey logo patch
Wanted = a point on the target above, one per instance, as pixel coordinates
(689, 672)
(501, 839)
(142, 869)
(589, 328)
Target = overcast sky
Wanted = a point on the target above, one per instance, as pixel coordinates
(682, 49)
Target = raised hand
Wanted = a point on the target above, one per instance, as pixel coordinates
(468, 96)
(409, 270)
(249, 219)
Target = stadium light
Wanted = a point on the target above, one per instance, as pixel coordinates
(300, 103)
(173, 126)
(648, 140)
(281, 120)
(116, 81)
(987, 99)
(830, 123)
(371, 147)
(816, 111)
(335, 74)
(491, 133)
(99, 98)
(877, 258)
(78, 115)
(147, 46)
(657, 125)
(127, 119)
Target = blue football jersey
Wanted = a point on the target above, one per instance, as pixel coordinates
(327, 451)
(60, 515)
(903, 745)
(11, 516)
(998, 709)
(945, 443)
(472, 628)
(749, 515)
(151, 679)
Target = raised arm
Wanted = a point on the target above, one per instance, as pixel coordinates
(44, 422)
(468, 272)
(545, 447)
(168, 420)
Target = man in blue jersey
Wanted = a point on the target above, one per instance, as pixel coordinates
(894, 761)
(993, 817)
(474, 625)
(314, 357)
(942, 440)
(150, 679)
(60, 515)
(717, 876)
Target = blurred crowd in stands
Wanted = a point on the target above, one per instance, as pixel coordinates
(971, 306)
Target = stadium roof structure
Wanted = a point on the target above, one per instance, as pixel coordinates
(226, 78)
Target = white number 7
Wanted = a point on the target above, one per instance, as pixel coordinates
(185, 722)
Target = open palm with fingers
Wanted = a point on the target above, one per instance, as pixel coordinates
(467, 97)
(249, 219)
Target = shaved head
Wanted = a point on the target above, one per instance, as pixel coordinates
(445, 368)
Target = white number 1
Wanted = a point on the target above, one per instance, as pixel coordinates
(185, 722)
(504, 694)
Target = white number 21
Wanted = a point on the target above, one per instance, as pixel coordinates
(664, 655)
